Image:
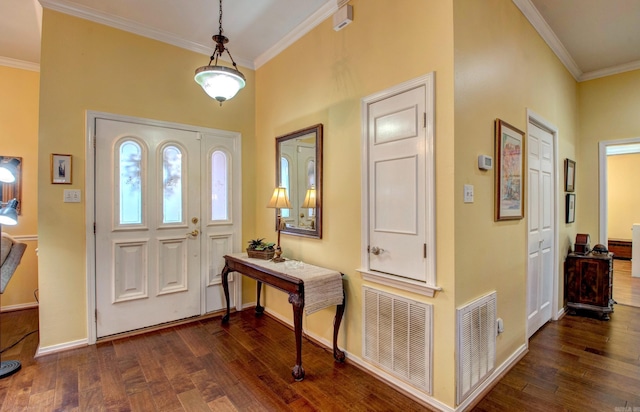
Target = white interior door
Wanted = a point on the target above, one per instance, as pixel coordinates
(163, 210)
(541, 227)
(397, 176)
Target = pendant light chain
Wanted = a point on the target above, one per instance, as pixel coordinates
(220, 20)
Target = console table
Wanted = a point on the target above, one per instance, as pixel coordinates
(320, 288)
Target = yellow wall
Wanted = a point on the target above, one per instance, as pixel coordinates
(502, 68)
(88, 66)
(608, 111)
(622, 197)
(19, 137)
(322, 79)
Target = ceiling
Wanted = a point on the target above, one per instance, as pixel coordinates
(593, 38)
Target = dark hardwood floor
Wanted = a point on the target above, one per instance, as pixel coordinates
(579, 363)
(199, 366)
(626, 289)
(576, 364)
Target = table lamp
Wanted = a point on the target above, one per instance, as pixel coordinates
(278, 201)
(310, 203)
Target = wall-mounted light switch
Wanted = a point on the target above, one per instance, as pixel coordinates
(72, 196)
(468, 193)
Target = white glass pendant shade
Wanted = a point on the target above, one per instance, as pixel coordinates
(219, 82)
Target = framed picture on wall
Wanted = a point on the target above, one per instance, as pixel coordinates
(509, 174)
(61, 169)
(569, 175)
(571, 208)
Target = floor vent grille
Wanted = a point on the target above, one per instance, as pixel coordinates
(476, 344)
(397, 336)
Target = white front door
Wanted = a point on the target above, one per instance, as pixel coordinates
(397, 180)
(162, 224)
(541, 227)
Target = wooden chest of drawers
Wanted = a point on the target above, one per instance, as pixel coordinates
(589, 283)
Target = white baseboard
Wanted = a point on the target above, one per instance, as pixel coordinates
(48, 350)
(22, 306)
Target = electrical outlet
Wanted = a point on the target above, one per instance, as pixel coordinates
(72, 196)
(468, 193)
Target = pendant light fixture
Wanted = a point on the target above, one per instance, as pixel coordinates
(220, 82)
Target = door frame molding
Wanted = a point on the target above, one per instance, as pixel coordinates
(541, 122)
(428, 288)
(90, 123)
(603, 179)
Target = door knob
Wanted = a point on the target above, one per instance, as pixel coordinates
(376, 250)
(194, 233)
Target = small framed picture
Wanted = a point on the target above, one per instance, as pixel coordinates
(571, 208)
(569, 175)
(61, 169)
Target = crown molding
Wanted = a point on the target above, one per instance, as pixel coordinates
(19, 64)
(303, 28)
(535, 18)
(73, 9)
(609, 71)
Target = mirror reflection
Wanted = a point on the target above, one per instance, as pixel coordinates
(299, 170)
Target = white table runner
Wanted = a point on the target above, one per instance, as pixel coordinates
(322, 286)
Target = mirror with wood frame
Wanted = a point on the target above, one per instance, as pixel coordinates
(299, 170)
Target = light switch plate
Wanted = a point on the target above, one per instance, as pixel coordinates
(72, 196)
(468, 193)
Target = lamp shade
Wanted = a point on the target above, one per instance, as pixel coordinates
(310, 198)
(9, 214)
(9, 171)
(220, 82)
(279, 200)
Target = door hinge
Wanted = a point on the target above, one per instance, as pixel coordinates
(94, 228)
(368, 249)
(424, 119)
(424, 250)
(95, 315)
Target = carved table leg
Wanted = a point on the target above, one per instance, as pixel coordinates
(225, 286)
(297, 301)
(259, 309)
(338, 355)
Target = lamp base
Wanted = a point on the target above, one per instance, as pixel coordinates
(277, 258)
(8, 368)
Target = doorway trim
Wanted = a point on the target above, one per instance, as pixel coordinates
(603, 178)
(536, 119)
(90, 122)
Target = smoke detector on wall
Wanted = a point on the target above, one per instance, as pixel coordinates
(343, 16)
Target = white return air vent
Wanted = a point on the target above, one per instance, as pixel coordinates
(476, 344)
(397, 336)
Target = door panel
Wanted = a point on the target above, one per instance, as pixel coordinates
(397, 171)
(220, 223)
(164, 221)
(147, 266)
(540, 228)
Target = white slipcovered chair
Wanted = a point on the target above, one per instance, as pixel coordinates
(10, 255)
